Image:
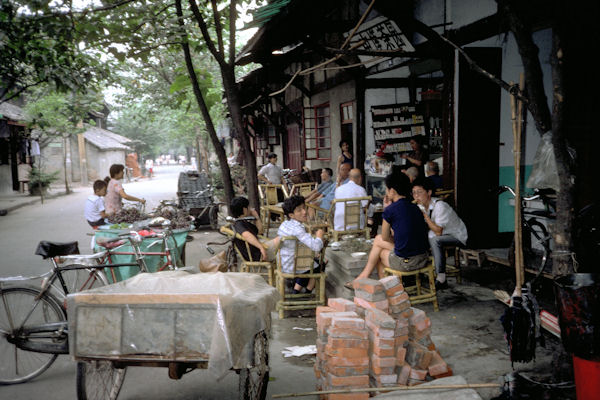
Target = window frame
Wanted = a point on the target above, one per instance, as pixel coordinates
(312, 113)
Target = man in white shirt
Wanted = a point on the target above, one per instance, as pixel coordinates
(271, 173)
(445, 227)
(349, 190)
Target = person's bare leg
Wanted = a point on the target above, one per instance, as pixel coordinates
(384, 262)
(375, 256)
(311, 284)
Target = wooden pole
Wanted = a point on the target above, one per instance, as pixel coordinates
(386, 389)
(516, 112)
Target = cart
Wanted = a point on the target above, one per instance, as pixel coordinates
(172, 319)
(196, 196)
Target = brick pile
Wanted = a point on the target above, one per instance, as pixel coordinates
(377, 340)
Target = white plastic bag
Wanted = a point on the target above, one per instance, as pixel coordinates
(544, 174)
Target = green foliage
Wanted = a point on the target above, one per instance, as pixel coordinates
(38, 177)
(38, 43)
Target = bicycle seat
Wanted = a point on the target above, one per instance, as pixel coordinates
(52, 249)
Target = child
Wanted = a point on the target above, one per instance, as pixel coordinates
(295, 210)
(94, 206)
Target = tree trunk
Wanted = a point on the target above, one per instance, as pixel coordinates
(231, 92)
(65, 142)
(210, 127)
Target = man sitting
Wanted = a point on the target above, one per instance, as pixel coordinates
(445, 227)
(406, 249)
(432, 172)
(347, 191)
(326, 183)
(329, 194)
(249, 230)
(295, 210)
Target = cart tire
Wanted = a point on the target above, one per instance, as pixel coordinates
(213, 217)
(254, 380)
(99, 379)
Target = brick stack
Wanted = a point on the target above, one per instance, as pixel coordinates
(378, 340)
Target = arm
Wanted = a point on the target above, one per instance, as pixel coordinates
(339, 162)
(263, 178)
(257, 222)
(413, 160)
(314, 243)
(130, 198)
(253, 240)
(386, 232)
(432, 225)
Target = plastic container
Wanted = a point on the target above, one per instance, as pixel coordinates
(587, 378)
(578, 303)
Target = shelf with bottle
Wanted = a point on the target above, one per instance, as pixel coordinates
(392, 109)
(398, 133)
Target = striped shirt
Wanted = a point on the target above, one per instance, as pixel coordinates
(287, 252)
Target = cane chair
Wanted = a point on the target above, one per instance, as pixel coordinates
(355, 217)
(248, 264)
(453, 270)
(302, 189)
(418, 293)
(319, 218)
(304, 265)
(268, 199)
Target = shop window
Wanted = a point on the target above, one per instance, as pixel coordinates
(317, 133)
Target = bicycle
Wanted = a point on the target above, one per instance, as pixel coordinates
(230, 253)
(533, 229)
(33, 320)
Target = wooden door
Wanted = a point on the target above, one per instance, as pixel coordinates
(294, 147)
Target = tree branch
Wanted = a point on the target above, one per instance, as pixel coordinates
(232, 30)
(218, 26)
(205, 34)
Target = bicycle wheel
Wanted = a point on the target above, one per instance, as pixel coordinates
(99, 379)
(531, 257)
(18, 365)
(83, 278)
(213, 217)
(254, 380)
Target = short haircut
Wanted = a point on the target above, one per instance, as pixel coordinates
(290, 204)
(432, 166)
(237, 206)
(425, 183)
(329, 171)
(99, 185)
(342, 143)
(115, 169)
(271, 155)
(399, 182)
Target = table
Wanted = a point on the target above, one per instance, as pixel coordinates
(153, 262)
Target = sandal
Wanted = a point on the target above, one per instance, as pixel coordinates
(349, 285)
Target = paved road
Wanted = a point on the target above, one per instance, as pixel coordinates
(61, 219)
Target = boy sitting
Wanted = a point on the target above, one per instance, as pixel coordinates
(94, 206)
(295, 210)
(250, 230)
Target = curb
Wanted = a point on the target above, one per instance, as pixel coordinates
(29, 202)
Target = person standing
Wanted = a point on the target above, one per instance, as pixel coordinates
(445, 227)
(113, 201)
(345, 157)
(272, 174)
(418, 156)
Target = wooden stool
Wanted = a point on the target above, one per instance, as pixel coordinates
(470, 254)
(453, 270)
(421, 294)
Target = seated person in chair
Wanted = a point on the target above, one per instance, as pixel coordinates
(445, 227)
(406, 249)
(326, 182)
(347, 191)
(249, 230)
(295, 211)
(329, 195)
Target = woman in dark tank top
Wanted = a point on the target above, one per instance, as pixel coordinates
(346, 156)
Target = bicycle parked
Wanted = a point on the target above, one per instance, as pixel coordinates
(33, 319)
(230, 253)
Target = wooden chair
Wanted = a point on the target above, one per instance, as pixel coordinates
(319, 218)
(355, 215)
(417, 293)
(268, 198)
(302, 189)
(303, 267)
(446, 195)
(453, 270)
(264, 268)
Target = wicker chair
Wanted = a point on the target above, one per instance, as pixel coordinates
(303, 268)
(355, 215)
(302, 189)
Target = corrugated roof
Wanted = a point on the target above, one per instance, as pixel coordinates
(10, 111)
(105, 139)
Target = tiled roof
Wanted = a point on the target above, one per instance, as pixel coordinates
(106, 140)
(10, 111)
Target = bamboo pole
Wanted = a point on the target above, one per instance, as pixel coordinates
(516, 111)
(386, 389)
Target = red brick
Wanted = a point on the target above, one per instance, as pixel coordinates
(382, 305)
(427, 342)
(407, 313)
(397, 310)
(349, 396)
(383, 351)
(401, 327)
(378, 331)
(356, 381)
(346, 322)
(341, 342)
(449, 373)
(380, 318)
(341, 304)
(403, 374)
(345, 352)
(414, 382)
(417, 355)
(348, 333)
(325, 318)
(322, 309)
(437, 366)
(419, 374)
(368, 285)
(391, 281)
(321, 345)
(387, 379)
(417, 316)
(382, 362)
(391, 292)
(381, 341)
(348, 362)
(400, 341)
(377, 296)
(318, 373)
(376, 371)
(347, 371)
(400, 355)
(399, 298)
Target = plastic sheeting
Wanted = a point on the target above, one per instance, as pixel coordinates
(173, 316)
